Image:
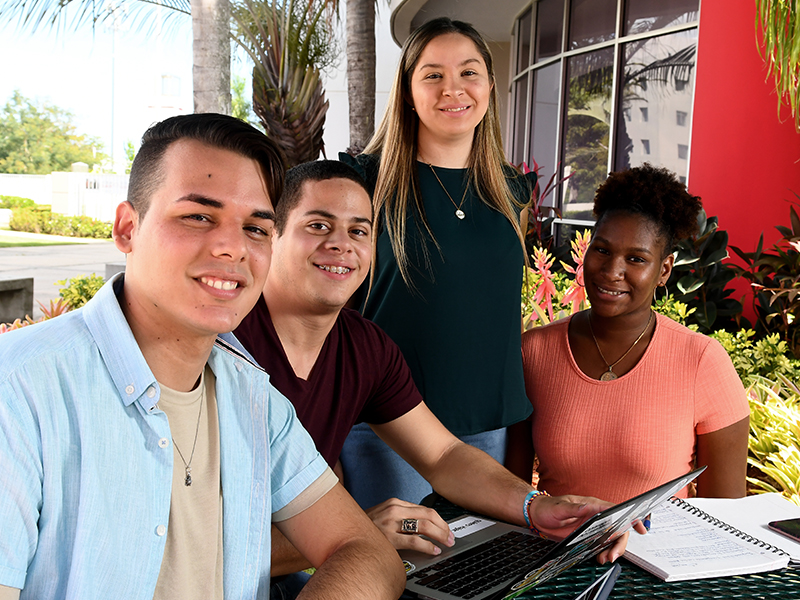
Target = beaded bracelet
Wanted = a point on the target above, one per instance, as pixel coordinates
(526, 505)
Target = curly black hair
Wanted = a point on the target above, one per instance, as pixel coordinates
(656, 194)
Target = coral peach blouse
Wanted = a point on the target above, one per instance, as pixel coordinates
(616, 439)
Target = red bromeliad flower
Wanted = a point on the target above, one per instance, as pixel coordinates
(542, 261)
(576, 294)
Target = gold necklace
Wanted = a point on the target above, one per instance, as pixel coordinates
(610, 375)
(459, 213)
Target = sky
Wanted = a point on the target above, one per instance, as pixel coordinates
(112, 81)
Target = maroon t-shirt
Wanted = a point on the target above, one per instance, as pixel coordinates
(360, 375)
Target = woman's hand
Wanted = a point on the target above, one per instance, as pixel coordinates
(388, 516)
(557, 517)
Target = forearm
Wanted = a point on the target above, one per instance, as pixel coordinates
(285, 557)
(358, 570)
(463, 476)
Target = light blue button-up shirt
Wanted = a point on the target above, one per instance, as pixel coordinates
(86, 463)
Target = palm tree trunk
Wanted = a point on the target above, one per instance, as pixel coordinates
(211, 50)
(361, 72)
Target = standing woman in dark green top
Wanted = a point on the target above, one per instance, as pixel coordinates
(449, 254)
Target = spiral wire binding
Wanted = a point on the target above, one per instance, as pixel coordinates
(724, 526)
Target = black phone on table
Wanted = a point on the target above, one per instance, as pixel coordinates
(788, 527)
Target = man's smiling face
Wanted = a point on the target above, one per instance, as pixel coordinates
(324, 252)
(198, 258)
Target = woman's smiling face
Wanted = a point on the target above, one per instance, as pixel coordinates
(450, 88)
(624, 264)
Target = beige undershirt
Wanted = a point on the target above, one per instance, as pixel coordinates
(192, 563)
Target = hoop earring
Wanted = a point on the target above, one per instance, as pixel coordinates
(655, 291)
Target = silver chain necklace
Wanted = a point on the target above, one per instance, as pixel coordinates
(188, 479)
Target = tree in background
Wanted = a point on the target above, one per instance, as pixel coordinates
(39, 138)
(289, 42)
(360, 25)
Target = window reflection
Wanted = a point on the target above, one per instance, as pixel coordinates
(521, 110)
(586, 134)
(658, 78)
(591, 22)
(524, 41)
(544, 121)
(649, 15)
(549, 28)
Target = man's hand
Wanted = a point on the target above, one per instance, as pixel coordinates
(388, 516)
(559, 516)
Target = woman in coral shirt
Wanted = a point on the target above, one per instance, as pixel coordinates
(623, 398)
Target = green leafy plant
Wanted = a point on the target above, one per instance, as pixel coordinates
(16, 202)
(774, 459)
(79, 290)
(699, 277)
(775, 279)
(768, 357)
(778, 23)
(40, 219)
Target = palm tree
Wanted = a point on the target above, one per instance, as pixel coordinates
(360, 24)
(778, 23)
(210, 30)
(289, 41)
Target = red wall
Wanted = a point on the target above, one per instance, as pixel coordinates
(745, 162)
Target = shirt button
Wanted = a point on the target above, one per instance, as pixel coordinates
(129, 390)
(151, 391)
(163, 442)
(238, 366)
(161, 530)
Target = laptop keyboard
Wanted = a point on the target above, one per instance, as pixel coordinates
(478, 569)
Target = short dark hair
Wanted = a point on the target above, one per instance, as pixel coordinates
(656, 194)
(215, 130)
(318, 170)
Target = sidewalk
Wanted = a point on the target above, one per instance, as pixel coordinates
(49, 264)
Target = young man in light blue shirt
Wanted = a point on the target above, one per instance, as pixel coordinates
(142, 455)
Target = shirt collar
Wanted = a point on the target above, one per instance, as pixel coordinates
(124, 360)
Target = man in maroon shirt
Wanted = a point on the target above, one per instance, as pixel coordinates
(337, 368)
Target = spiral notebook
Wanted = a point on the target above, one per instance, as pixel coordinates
(687, 543)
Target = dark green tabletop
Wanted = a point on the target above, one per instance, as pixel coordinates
(637, 583)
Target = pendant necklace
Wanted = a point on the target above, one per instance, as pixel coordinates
(459, 213)
(610, 375)
(188, 480)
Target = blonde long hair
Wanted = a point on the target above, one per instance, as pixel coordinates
(396, 139)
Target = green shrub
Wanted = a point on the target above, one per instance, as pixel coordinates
(79, 290)
(16, 202)
(768, 357)
(41, 219)
(775, 437)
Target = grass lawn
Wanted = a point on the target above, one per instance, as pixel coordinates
(11, 241)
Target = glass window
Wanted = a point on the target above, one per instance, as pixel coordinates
(611, 58)
(586, 134)
(591, 22)
(520, 111)
(524, 41)
(652, 69)
(544, 121)
(549, 28)
(650, 15)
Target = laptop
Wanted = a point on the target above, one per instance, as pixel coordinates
(495, 560)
